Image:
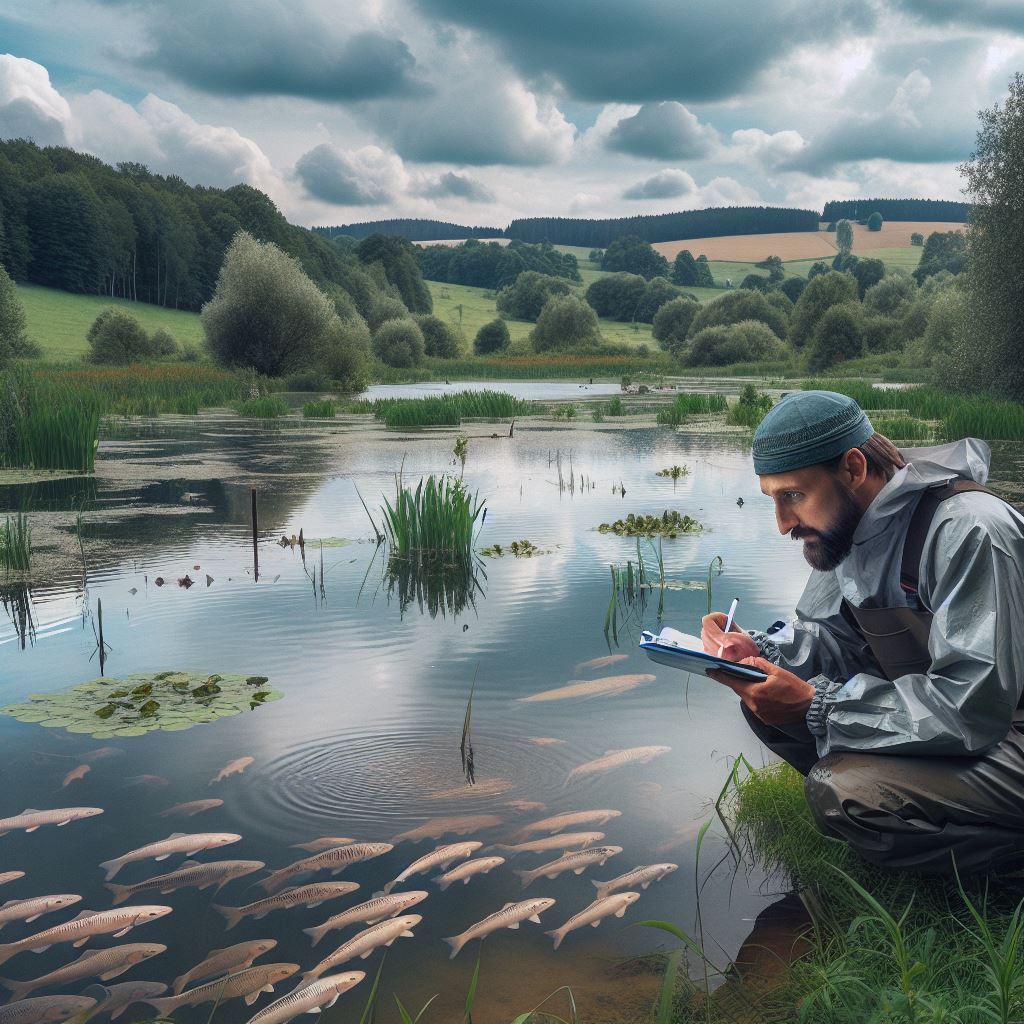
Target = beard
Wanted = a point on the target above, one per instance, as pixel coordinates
(829, 547)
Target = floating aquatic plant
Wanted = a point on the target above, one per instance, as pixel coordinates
(518, 549)
(144, 702)
(673, 472)
(668, 524)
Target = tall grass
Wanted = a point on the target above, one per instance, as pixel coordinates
(434, 522)
(262, 408)
(692, 405)
(445, 410)
(16, 544)
(319, 410)
(540, 367)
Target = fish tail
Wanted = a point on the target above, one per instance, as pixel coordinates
(316, 934)
(456, 942)
(111, 867)
(18, 989)
(163, 1006)
(121, 892)
(231, 914)
(8, 950)
(526, 877)
(179, 983)
(557, 936)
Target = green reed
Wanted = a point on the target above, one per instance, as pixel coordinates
(16, 544)
(262, 408)
(319, 410)
(433, 522)
(445, 410)
(692, 405)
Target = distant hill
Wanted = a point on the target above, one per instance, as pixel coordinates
(944, 210)
(413, 230)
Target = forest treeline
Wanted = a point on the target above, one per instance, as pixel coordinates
(70, 221)
(944, 210)
(414, 229)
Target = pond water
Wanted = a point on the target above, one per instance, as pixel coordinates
(365, 742)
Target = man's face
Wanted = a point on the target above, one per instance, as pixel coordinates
(815, 506)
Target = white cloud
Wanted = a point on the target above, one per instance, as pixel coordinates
(769, 150)
(30, 107)
(666, 184)
(361, 177)
(662, 131)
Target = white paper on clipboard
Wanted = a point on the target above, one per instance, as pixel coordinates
(684, 651)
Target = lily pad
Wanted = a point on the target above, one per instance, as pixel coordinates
(144, 702)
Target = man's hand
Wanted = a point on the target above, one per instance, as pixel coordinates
(781, 699)
(736, 644)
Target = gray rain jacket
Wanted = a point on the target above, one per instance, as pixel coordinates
(971, 578)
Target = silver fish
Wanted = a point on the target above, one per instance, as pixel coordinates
(616, 759)
(308, 999)
(30, 819)
(365, 942)
(526, 805)
(439, 858)
(561, 821)
(10, 876)
(45, 1009)
(509, 916)
(459, 825)
(464, 872)
(235, 767)
(336, 860)
(115, 999)
(93, 963)
(191, 873)
(248, 984)
(85, 926)
(177, 842)
(323, 843)
(369, 912)
(30, 909)
(590, 688)
(603, 662)
(301, 896)
(575, 862)
(593, 915)
(562, 841)
(229, 960)
(191, 808)
(642, 876)
(75, 774)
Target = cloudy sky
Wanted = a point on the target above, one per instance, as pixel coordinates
(478, 111)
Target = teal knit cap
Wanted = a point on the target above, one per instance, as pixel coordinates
(808, 427)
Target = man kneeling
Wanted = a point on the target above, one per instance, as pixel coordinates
(897, 688)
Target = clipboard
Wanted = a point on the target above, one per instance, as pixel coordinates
(674, 649)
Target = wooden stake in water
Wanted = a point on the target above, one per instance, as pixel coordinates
(99, 616)
(255, 543)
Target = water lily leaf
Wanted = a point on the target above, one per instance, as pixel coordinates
(130, 730)
(106, 711)
(143, 691)
(118, 693)
(176, 726)
(149, 709)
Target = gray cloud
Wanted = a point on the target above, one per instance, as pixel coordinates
(30, 107)
(363, 178)
(245, 48)
(1002, 14)
(663, 185)
(662, 131)
(458, 186)
(607, 51)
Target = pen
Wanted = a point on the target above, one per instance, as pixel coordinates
(728, 622)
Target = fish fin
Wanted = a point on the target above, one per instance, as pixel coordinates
(267, 988)
(534, 918)
(514, 925)
(557, 936)
(596, 884)
(163, 856)
(369, 953)
(578, 871)
(123, 931)
(441, 885)
(456, 942)
(189, 864)
(618, 913)
(407, 935)
(179, 983)
(34, 917)
(644, 885)
(177, 835)
(83, 914)
(18, 989)
(121, 892)
(316, 934)
(115, 971)
(327, 1006)
(35, 828)
(43, 949)
(526, 877)
(117, 1013)
(316, 1009)
(252, 997)
(510, 904)
(163, 1006)
(390, 885)
(30, 810)
(111, 867)
(596, 924)
(310, 905)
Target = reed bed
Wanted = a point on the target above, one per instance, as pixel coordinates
(319, 410)
(959, 415)
(262, 408)
(686, 405)
(16, 544)
(541, 367)
(445, 410)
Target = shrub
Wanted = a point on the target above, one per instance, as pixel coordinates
(116, 337)
(399, 343)
(525, 297)
(632, 254)
(823, 292)
(882, 333)
(837, 336)
(737, 306)
(747, 341)
(347, 352)
(756, 282)
(657, 292)
(383, 308)
(565, 322)
(189, 354)
(792, 287)
(917, 238)
(875, 222)
(439, 338)
(13, 339)
(817, 269)
(945, 332)
(672, 323)
(890, 295)
(265, 312)
(944, 250)
(162, 344)
(492, 337)
(617, 296)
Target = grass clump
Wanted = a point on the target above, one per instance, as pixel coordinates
(261, 408)
(668, 524)
(673, 472)
(445, 410)
(751, 408)
(692, 405)
(16, 544)
(319, 410)
(517, 549)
